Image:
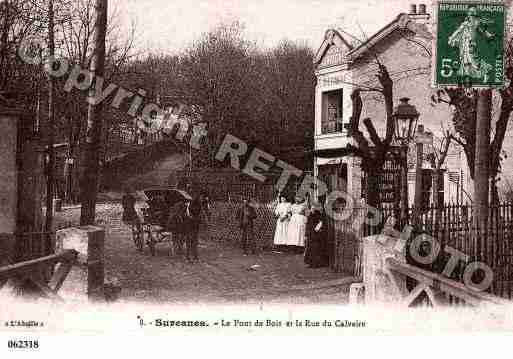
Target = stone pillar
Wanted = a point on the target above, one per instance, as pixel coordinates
(355, 178)
(30, 189)
(95, 262)
(380, 288)
(89, 242)
(8, 183)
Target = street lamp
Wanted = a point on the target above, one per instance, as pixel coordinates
(405, 120)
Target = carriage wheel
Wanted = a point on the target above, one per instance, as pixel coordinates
(138, 237)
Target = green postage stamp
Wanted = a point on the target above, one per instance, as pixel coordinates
(469, 48)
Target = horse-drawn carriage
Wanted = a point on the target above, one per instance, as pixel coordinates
(158, 225)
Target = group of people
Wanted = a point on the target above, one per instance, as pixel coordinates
(301, 226)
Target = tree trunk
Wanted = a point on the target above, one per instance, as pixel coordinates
(481, 184)
(50, 181)
(90, 164)
(373, 176)
(5, 40)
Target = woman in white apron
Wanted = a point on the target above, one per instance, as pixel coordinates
(297, 225)
(282, 212)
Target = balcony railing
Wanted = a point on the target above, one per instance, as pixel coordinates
(332, 127)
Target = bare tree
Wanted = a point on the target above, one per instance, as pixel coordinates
(76, 34)
(214, 75)
(464, 119)
(373, 157)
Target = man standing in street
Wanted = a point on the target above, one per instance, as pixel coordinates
(246, 216)
(193, 215)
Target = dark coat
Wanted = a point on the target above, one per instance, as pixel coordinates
(195, 208)
(317, 248)
(176, 218)
(129, 212)
(251, 215)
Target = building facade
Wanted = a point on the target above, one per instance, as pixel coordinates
(403, 46)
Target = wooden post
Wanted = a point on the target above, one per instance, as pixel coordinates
(90, 164)
(50, 165)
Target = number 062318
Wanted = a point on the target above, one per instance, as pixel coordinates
(23, 344)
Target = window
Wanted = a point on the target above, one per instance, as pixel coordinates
(332, 107)
(441, 196)
(427, 180)
(427, 187)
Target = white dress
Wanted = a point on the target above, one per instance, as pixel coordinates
(282, 212)
(297, 225)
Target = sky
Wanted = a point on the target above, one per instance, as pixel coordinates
(168, 26)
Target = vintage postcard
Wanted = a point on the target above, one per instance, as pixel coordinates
(287, 167)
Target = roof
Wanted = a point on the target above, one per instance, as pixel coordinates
(402, 21)
(167, 189)
(331, 37)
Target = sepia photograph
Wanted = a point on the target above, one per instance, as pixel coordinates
(287, 166)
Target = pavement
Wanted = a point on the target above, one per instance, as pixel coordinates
(223, 274)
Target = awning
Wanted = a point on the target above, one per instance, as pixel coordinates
(347, 151)
(333, 152)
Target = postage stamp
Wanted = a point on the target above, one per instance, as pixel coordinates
(470, 44)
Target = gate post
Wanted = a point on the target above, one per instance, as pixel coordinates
(95, 262)
(89, 241)
(380, 285)
(8, 182)
(20, 180)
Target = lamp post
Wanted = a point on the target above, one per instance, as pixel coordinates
(405, 121)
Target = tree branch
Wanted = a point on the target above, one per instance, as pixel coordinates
(354, 122)
(388, 93)
(445, 151)
(372, 132)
